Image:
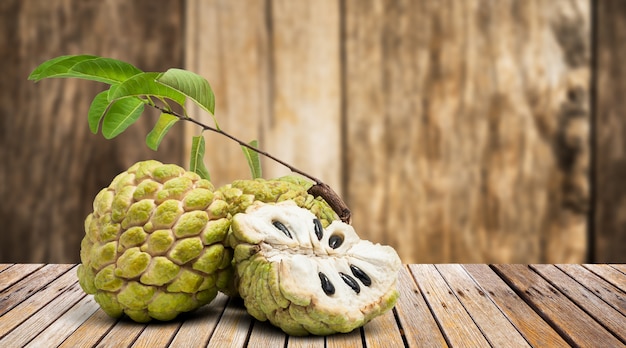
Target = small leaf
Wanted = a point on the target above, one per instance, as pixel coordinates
(145, 84)
(163, 125)
(107, 70)
(193, 86)
(58, 66)
(254, 162)
(96, 110)
(196, 161)
(122, 113)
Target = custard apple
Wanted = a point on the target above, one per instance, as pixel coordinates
(305, 278)
(155, 243)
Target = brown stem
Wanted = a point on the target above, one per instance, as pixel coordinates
(320, 189)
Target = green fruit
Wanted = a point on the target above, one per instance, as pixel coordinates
(305, 278)
(154, 245)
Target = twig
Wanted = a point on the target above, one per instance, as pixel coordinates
(320, 189)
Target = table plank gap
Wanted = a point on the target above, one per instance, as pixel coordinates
(417, 322)
(576, 326)
(535, 330)
(458, 327)
(494, 325)
(36, 301)
(157, 334)
(352, 339)
(91, 331)
(29, 285)
(66, 324)
(609, 274)
(199, 325)
(123, 334)
(42, 318)
(4, 266)
(620, 267)
(383, 331)
(265, 334)
(606, 315)
(233, 327)
(596, 284)
(16, 273)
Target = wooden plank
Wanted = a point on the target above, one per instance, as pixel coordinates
(67, 164)
(227, 43)
(233, 327)
(15, 273)
(265, 335)
(304, 125)
(576, 326)
(536, 331)
(123, 334)
(382, 331)
(457, 325)
(65, 325)
(91, 331)
(452, 142)
(305, 342)
(42, 318)
(609, 274)
(157, 334)
(200, 324)
(496, 327)
(34, 303)
(609, 165)
(419, 326)
(606, 315)
(600, 287)
(352, 339)
(4, 266)
(29, 285)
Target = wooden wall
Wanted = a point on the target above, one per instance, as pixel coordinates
(457, 131)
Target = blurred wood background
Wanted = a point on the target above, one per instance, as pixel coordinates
(457, 131)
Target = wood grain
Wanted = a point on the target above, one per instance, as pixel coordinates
(536, 331)
(15, 273)
(52, 166)
(200, 325)
(609, 204)
(609, 274)
(610, 318)
(575, 325)
(456, 154)
(90, 332)
(420, 329)
(233, 327)
(227, 43)
(496, 327)
(600, 287)
(455, 322)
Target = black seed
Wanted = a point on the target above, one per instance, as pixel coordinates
(351, 282)
(279, 225)
(335, 241)
(363, 277)
(319, 231)
(327, 286)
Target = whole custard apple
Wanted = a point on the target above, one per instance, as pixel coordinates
(155, 243)
(307, 279)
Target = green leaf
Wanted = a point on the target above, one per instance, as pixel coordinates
(254, 162)
(196, 161)
(97, 109)
(122, 113)
(57, 66)
(191, 85)
(145, 84)
(165, 122)
(107, 70)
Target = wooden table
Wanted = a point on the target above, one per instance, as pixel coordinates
(440, 305)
